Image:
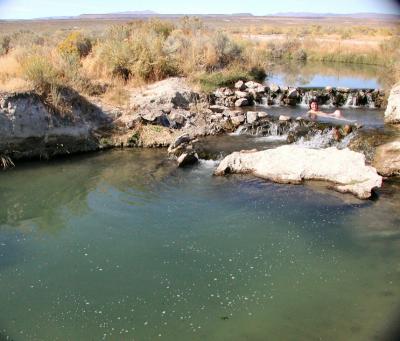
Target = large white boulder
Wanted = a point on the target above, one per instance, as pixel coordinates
(292, 164)
(392, 113)
(172, 92)
(387, 158)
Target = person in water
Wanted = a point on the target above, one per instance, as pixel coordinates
(314, 111)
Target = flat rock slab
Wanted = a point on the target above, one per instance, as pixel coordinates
(387, 158)
(344, 168)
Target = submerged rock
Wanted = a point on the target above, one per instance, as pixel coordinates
(238, 120)
(251, 116)
(181, 139)
(293, 164)
(187, 159)
(387, 159)
(181, 149)
(284, 118)
(241, 102)
(392, 113)
(218, 108)
(293, 93)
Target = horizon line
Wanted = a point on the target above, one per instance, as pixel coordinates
(151, 13)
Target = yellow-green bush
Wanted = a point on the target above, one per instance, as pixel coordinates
(75, 44)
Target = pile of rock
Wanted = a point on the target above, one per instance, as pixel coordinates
(182, 151)
(167, 117)
(341, 96)
(167, 103)
(243, 94)
(235, 117)
(249, 93)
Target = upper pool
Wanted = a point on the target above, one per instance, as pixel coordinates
(321, 74)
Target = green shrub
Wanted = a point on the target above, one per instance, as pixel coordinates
(141, 56)
(211, 81)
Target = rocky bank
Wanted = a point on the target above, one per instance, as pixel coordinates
(170, 113)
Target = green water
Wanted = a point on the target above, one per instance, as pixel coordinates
(124, 246)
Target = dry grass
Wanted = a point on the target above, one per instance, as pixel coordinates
(210, 53)
(11, 74)
(156, 136)
(118, 95)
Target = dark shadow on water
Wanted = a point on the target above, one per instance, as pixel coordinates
(391, 332)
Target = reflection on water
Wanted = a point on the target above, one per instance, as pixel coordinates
(61, 186)
(321, 74)
(121, 246)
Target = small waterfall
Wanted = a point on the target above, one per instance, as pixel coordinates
(238, 131)
(345, 141)
(324, 139)
(305, 99)
(321, 139)
(278, 99)
(265, 101)
(370, 101)
(351, 101)
(348, 101)
(273, 129)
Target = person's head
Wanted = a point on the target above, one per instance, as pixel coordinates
(314, 105)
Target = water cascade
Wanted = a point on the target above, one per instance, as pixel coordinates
(327, 97)
(303, 132)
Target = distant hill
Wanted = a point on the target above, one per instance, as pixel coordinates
(126, 14)
(351, 15)
(152, 14)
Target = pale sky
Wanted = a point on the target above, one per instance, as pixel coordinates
(28, 9)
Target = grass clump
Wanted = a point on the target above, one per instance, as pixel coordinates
(40, 72)
(210, 81)
(136, 51)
